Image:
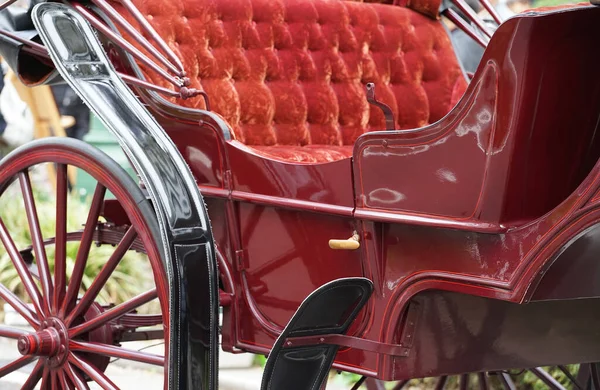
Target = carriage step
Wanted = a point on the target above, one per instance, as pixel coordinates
(330, 309)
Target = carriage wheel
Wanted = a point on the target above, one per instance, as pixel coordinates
(577, 377)
(70, 335)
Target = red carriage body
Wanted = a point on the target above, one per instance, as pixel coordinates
(476, 218)
(475, 199)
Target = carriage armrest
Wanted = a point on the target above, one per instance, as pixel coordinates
(507, 153)
(159, 105)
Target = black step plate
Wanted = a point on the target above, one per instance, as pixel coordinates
(330, 309)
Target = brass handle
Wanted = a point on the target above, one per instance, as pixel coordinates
(350, 244)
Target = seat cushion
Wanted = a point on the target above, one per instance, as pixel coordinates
(293, 72)
(304, 154)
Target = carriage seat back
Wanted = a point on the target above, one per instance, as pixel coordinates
(293, 72)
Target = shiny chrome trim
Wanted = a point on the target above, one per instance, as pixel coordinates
(80, 59)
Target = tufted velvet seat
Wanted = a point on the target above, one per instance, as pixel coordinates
(289, 76)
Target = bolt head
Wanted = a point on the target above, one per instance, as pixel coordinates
(23, 345)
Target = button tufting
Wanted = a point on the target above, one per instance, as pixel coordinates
(294, 45)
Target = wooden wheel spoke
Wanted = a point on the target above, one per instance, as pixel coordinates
(568, 374)
(34, 377)
(358, 384)
(53, 380)
(595, 377)
(60, 254)
(78, 382)
(37, 240)
(45, 378)
(15, 365)
(16, 303)
(464, 382)
(547, 378)
(11, 333)
(93, 373)
(117, 352)
(441, 383)
(21, 267)
(64, 380)
(506, 381)
(84, 249)
(400, 385)
(374, 384)
(114, 313)
(482, 381)
(108, 268)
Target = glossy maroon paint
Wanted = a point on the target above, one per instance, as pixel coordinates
(479, 203)
(518, 143)
(491, 335)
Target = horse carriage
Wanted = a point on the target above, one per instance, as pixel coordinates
(326, 174)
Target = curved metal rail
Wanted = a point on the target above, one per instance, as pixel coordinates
(185, 229)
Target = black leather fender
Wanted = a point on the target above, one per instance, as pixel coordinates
(189, 252)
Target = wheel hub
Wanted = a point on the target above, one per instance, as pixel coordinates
(51, 341)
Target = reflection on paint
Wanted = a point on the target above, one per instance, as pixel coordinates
(386, 196)
(446, 175)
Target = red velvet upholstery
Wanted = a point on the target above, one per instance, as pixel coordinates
(293, 72)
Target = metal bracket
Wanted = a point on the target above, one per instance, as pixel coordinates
(390, 122)
(401, 349)
(410, 324)
(348, 341)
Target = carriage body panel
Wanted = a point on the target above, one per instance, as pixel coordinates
(488, 224)
(491, 242)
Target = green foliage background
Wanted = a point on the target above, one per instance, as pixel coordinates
(550, 3)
